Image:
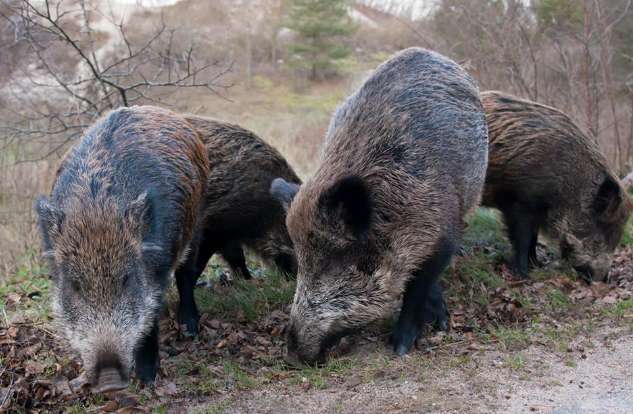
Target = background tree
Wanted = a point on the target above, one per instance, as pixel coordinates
(320, 25)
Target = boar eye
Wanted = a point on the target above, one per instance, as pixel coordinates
(74, 285)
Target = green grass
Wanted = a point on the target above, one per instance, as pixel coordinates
(515, 361)
(558, 301)
(620, 309)
(209, 381)
(253, 300)
(161, 409)
(86, 406)
(627, 236)
(30, 282)
(485, 230)
(476, 277)
(291, 101)
(459, 361)
(484, 246)
(242, 379)
(318, 376)
(510, 338)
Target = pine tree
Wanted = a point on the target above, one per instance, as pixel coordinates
(321, 25)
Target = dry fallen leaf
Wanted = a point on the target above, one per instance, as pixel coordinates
(13, 298)
(13, 331)
(110, 406)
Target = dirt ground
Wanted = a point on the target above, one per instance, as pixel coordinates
(594, 376)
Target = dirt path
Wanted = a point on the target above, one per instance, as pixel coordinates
(594, 375)
(601, 383)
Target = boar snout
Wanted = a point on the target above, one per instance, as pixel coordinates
(110, 375)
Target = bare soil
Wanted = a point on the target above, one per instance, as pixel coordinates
(597, 380)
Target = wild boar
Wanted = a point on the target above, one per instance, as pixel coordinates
(545, 174)
(120, 217)
(238, 209)
(404, 161)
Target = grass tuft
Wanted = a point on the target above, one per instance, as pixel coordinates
(249, 298)
(627, 236)
(30, 282)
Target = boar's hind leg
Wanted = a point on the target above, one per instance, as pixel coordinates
(186, 278)
(412, 315)
(146, 359)
(234, 256)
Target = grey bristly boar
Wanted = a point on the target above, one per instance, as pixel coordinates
(120, 217)
(238, 209)
(404, 161)
(545, 174)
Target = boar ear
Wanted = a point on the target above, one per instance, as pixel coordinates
(608, 199)
(50, 219)
(140, 216)
(348, 203)
(283, 191)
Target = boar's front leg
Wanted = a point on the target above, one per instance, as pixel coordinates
(523, 226)
(412, 315)
(186, 278)
(147, 360)
(436, 311)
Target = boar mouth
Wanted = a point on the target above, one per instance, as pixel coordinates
(297, 359)
(109, 380)
(585, 272)
(109, 374)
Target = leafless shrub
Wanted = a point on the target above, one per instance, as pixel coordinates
(569, 66)
(85, 62)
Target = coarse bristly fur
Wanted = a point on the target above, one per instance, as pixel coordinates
(238, 209)
(404, 161)
(120, 216)
(544, 173)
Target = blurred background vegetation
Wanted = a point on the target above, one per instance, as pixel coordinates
(280, 67)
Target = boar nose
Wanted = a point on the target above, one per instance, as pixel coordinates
(586, 272)
(601, 274)
(292, 359)
(110, 375)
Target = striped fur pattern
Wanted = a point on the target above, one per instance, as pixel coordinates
(544, 171)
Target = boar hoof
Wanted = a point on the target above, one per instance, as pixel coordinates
(441, 324)
(146, 373)
(189, 327)
(147, 358)
(188, 318)
(520, 274)
(403, 340)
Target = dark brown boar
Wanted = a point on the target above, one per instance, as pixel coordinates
(238, 208)
(120, 217)
(545, 174)
(404, 161)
